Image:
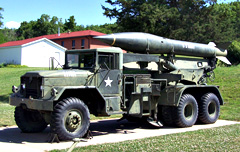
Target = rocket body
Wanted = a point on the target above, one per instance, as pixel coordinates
(144, 43)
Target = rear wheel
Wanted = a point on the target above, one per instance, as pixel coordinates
(209, 108)
(186, 112)
(70, 119)
(167, 115)
(29, 121)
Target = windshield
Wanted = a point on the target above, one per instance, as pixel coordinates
(80, 61)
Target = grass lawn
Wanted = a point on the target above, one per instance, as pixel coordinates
(216, 139)
(228, 78)
(8, 78)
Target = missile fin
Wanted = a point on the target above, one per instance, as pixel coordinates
(224, 46)
(224, 59)
(212, 44)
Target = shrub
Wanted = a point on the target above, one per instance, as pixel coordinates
(234, 53)
(2, 65)
(16, 66)
(10, 65)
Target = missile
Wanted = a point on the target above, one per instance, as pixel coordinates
(145, 43)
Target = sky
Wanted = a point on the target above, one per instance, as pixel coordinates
(86, 12)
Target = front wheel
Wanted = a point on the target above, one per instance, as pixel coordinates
(29, 121)
(186, 112)
(209, 108)
(70, 119)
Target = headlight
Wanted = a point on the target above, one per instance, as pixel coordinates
(23, 86)
(14, 89)
(54, 92)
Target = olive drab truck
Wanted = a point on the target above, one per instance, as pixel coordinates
(150, 84)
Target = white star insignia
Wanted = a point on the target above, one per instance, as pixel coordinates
(108, 82)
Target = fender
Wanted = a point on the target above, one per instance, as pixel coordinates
(171, 95)
(90, 95)
(59, 91)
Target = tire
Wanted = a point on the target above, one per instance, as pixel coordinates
(29, 121)
(186, 112)
(167, 115)
(70, 119)
(209, 108)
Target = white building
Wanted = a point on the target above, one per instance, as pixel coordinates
(34, 52)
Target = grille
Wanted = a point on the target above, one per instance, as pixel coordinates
(32, 87)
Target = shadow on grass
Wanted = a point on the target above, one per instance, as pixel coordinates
(4, 98)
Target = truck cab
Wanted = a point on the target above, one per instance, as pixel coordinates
(105, 65)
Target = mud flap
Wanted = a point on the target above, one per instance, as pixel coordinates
(140, 104)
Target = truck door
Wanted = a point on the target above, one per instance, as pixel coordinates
(109, 75)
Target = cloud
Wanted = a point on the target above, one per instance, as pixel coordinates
(12, 25)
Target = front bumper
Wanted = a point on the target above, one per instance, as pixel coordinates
(35, 104)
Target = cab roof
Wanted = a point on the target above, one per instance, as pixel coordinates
(107, 49)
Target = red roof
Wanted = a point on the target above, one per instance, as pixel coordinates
(53, 37)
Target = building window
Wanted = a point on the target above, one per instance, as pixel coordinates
(73, 44)
(83, 44)
(62, 43)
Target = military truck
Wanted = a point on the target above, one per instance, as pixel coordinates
(157, 89)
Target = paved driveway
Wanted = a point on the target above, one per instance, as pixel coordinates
(104, 131)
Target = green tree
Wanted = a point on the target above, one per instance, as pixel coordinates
(106, 28)
(10, 34)
(169, 18)
(235, 7)
(45, 25)
(70, 24)
(26, 30)
(220, 24)
(223, 26)
(42, 26)
(1, 17)
(54, 24)
(80, 28)
(3, 39)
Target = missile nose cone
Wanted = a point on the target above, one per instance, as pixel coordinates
(130, 41)
(109, 39)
